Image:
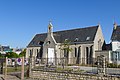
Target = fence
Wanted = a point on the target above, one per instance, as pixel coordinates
(13, 66)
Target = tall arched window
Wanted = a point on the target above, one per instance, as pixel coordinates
(79, 55)
(118, 56)
(30, 53)
(37, 51)
(87, 55)
(91, 55)
(99, 44)
(79, 51)
(75, 52)
(66, 53)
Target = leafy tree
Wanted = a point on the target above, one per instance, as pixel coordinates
(66, 47)
(11, 55)
(1, 56)
(23, 53)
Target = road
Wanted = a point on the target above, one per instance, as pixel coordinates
(94, 69)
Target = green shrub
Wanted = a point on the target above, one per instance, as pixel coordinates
(11, 55)
(112, 65)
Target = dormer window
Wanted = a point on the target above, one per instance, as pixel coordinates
(76, 39)
(88, 38)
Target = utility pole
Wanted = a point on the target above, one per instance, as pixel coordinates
(22, 70)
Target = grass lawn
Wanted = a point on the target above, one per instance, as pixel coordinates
(15, 69)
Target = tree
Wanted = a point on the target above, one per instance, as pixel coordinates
(1, 56)
(23, 53)
(66, 48)
(11, 55)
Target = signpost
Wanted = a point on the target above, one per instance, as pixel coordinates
(5, 76)
(22, 70)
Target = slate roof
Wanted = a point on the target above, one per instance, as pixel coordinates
(116, 34)
(37, 39)
(80, 35)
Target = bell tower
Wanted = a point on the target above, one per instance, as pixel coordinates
(50, 28)
(115, 25)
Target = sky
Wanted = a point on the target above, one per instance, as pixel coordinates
(20, 20)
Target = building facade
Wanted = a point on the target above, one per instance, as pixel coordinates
(115, 41)
(112, 50)
(4, 49)
(53, 47)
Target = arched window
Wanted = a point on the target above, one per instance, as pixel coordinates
(66, 53)
(87, 55)
(118, 56)
(37, 51)
(79, 51)
(75, 52)
(99, 44)
(30, 53)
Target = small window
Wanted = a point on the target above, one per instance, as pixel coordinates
(76, 39)
(88, 38)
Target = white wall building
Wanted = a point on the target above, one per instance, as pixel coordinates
(115, 40)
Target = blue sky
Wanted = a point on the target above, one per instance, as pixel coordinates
(20, 20)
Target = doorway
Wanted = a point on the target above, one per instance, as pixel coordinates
(51, 56)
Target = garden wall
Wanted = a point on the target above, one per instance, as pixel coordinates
(42, 75)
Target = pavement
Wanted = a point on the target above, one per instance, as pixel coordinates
(9, 77)
(94, 69)
(14, 76)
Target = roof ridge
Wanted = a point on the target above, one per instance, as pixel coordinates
(69, 29)
(76, 28)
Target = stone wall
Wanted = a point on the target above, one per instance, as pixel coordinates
(41, 75)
